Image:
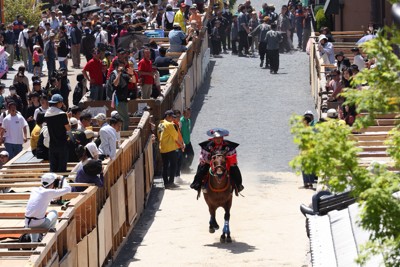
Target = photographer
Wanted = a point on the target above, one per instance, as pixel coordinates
(53, 186)
(119, 79)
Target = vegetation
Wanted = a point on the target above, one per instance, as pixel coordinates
(322, 20)
(31, 13)
(328, 151)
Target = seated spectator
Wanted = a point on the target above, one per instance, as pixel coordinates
(108, 137)
(13, 131)
(4, 157)
(339, 60)
(36, 132)
(177, 39)
(91, 172)
(85, 121)
(76, 112)
(325, 31)
(75, 138)
(358, 58)
(162, 62)
(36, 215)
(336, 86)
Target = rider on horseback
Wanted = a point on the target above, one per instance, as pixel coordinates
(208, 149)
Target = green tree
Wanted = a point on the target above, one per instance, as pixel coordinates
(329, 150)
(26, 8)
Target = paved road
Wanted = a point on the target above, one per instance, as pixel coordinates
(266, 225)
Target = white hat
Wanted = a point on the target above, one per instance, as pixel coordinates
(48, 178)
(100, 117)
(90, 134)
(113, 113)
(73, 121)
(332, 113)
(321, 37)
(4, 153)
(36, 46)
(309, 112)
(93, 150)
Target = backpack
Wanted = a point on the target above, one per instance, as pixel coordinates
(78, 94)
(109, 86)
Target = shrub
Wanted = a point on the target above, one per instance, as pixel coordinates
(31, 13)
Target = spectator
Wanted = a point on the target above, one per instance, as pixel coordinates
(37, 52)
(23, 78)
(186, 128)
(84, 121)
(91, 172)
(163, 61)
(87, 44)
(273, 39)
(23, 45)
(108, 135)
(309, 179)
(9, 41)
(50, 55)
(306, 27)
(44, 105)
(22, 91)
(168, 18)
(195, 15)
(325, 49)
(253, 40)
(76, 38)
(80, 89)
(53, 186)
(146, 72)
(2, 100)
(75, 112)
(30, 111)
(35, 134)
(325, 31)
(180, 144)
(335, 86)
(262, 30)
(18, 27)
(62, 50)
(216, 39)
(180, 17)
(58, 126)
(358, 58)
(177, 39)
(243, 32)
(13, 131)
(93, 74)
(234, 34)
(4, 158)
(168, 136)
(13, 97)
(75, 138)
(119, 79)
(65, 86)
(299, 18)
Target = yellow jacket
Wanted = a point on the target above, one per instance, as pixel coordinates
(168, 136)
(35, 136)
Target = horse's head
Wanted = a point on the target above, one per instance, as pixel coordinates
(218, 164)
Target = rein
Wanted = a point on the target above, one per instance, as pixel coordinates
(211, 174)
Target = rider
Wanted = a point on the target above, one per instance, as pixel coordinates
(217, 143)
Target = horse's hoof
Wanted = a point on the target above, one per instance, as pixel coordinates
(211, 230)
(223, 239)
(228, 239)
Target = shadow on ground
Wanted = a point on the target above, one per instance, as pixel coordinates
(234, 248)
(127, 254)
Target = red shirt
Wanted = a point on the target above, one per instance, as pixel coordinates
(94, 67)
(146, 65)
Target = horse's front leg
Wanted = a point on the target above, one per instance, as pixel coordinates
(213, 222)
(226, 232)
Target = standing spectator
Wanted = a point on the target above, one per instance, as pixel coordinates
(168, 137)
(273, 40)
(223, 27)
(306, 27)
(22, 91)
(36, 215)
(18, 27)
(35, 134)
(2, 99)
(30, 111)
(227, 14)
(65, 86)
(94, 75)
(146, 72)
(108, 136)
(284, 26)
(309, 179)
(58, 126)
(13, 97)
(186, 128)
(44, 105)
(9, 41)
(216, 38)
(80, 89)
(180, 17)
(62, 50)
(299, 17)
(23, 45)
(195, 15)
(76, 38)
(358, 58)
(179, 143)
(168, 18)
(234, 34)
(40, 42)
(13, 131)
(87, 44)
(54, 22)
(325, 49)
(243, 32)
(50, 55)
(253, 39)
(262, 31)
(37, 52)
(24, 79)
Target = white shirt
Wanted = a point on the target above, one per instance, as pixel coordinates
(108, 137)
(359, 61)
(39, 109)
(21, 41)
(39, 201)
(14, 127)
(101, 37)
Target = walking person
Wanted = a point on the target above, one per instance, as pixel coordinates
(261, 31)
(284, 26)
(299, 17)
(273, 39)
(168, 136)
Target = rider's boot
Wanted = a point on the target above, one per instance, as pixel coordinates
(236, 177)
(201, 172)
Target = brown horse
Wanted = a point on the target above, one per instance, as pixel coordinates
(219, 194)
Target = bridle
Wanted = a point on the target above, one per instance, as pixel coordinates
(219, 176)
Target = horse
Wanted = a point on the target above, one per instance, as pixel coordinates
(219, 194)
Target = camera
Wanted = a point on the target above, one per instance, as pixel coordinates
(58, 183)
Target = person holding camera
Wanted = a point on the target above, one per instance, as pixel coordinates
(53, 186)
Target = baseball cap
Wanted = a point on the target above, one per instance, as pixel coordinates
(113, 113)
(100, 117)
(11, 103)
(35, 82)
(332, 113)
(48, 178)
(309, 112)
(73, 121)
(4, 153)
(56, 99)
(169, 113)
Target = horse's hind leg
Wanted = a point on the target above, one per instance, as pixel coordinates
(213, 222)
(226, 232)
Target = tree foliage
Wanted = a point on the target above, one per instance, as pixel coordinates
(26, 8)
(328, 150)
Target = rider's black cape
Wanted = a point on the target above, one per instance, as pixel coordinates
(209, 145)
